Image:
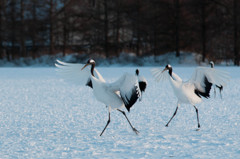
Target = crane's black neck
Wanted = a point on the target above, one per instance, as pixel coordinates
(170, 71)
(92, 69)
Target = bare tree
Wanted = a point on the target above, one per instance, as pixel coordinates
(13, 29)
(106, 28)
(64, 23)
(34, 28)
(51, 35)
(236, 37)
(203, 30)
(118, 7)
(1, 26)
(177, 24)
(22, 29)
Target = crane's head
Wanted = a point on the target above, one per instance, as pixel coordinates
(89, 62)
(168, 67)
(137, 72)
(212, 64)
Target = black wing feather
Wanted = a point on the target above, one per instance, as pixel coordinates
(142, 85)
(207, 88)
(89, 83)
(129, 102)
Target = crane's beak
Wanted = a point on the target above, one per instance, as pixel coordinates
(164, 70)
(85, 66)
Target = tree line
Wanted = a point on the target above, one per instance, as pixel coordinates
(31, 28)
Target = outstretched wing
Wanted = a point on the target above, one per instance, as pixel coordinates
(161, 76)
(204, 77)
(158, 75)
(129, 89)
(74, 73)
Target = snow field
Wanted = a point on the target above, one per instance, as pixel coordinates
(42, 116)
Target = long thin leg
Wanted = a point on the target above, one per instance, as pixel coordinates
(220, 90)
(214, 92)
(220, 93)
(106, 124)
(135, 130)
(172, 117)
(197, 116)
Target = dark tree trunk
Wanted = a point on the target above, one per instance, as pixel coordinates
(1, 36)
(235, 23)
(64, 39)
(64, 28)
(22, 38)
(13, 29)
(155, 40)
(177, 23)
(138, 28)
(51, 28)
(203, 30)
(106, 49)
(33, 35)
(117, 26)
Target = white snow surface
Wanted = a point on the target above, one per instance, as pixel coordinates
(42, 116)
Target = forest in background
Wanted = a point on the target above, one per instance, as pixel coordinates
(32, 28)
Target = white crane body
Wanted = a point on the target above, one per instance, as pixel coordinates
(123, 92)
(192, 91)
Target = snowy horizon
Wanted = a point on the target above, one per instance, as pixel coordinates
(124, 60)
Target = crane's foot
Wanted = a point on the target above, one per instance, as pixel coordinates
(198, 129)
(136, 131)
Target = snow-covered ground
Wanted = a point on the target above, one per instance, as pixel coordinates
(41, 116)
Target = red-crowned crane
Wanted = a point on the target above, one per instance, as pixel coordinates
(191, 91)
(122, 93)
